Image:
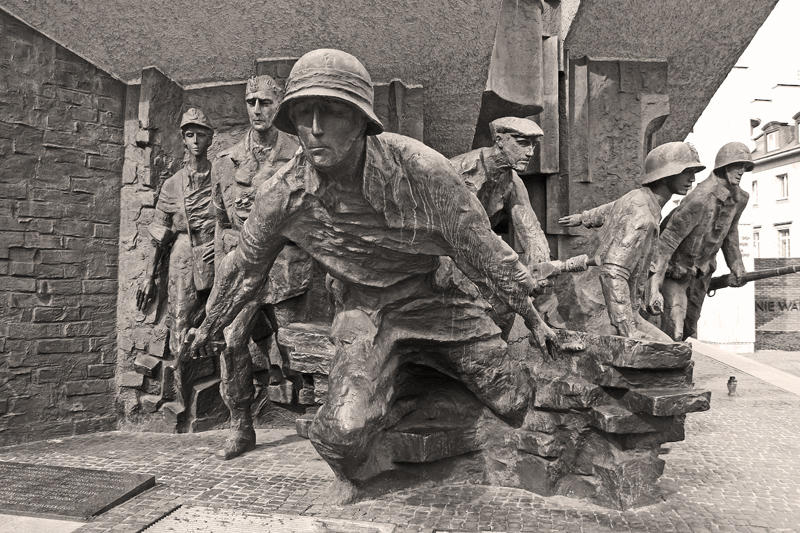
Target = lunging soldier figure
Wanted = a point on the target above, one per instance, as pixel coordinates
(377, 211)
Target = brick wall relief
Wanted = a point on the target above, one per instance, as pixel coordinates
(777, 307)
(61, 148)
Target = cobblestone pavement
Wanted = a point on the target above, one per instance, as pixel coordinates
(738, 470)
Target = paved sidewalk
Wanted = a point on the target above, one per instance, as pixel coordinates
(788, 362)
(738, 470)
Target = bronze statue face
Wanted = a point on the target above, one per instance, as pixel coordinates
(518, 149)
(733, 173)
(197, 139)
(261, 108)
(681, 183)
(328, 129)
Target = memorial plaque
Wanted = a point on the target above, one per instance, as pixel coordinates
(57, 491)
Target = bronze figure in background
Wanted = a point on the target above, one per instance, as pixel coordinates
(183, 233)
(238, 172)
(691, 235)
(492, 175)
(629, 234)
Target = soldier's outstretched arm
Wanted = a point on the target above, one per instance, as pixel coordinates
(244, 270)
(591, 218)
(527, 229)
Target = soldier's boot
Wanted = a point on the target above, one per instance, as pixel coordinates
(242, 437)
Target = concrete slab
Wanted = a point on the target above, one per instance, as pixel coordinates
(26, 524)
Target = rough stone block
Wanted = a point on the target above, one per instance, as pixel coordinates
(101, 371)
(146, 364)
(627, 352)
(131, 380)
(427, 446)
(667, 402)
(89, 386)
(308, 347)
(616, 419)
(93, 425)
(281, 393)
(303, 423)
(149, 403)
(59, 346)
(205, 397)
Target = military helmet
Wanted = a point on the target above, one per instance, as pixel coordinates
(734, 152)
(515, 125)
(329, 73)
(670, 159)
(195, 116)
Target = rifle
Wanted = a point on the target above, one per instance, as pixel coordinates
(726, 280)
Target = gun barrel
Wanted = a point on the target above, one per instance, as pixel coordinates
(721, 282)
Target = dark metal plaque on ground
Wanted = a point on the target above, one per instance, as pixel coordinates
(57, 491)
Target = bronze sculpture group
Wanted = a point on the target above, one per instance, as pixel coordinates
(418, 277)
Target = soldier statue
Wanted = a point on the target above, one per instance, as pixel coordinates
(492, 175)
(628, 237)
(691, 235)
(238, 172)
(183, 231)
(377, 210)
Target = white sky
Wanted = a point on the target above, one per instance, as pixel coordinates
(772, 57)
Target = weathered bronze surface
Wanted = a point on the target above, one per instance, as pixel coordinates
(691, 235)
(183, 233)
(377, 211)
(238, 173)
(627, 240)
(56, 491)
(492, 175)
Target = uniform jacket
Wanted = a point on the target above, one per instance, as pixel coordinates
(705, 221)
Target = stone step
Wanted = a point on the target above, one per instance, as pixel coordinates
(667, 402)
(617, 419)
(625, 352)
(146, 364)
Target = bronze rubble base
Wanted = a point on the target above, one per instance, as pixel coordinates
(603, 407)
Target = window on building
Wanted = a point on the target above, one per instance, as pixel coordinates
(754, 195)
(784, 244)
(783, 186)
(756, 243)
(772, 141)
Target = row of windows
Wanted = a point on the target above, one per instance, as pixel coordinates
(784, 243)
(783, 188)
(773, 138)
